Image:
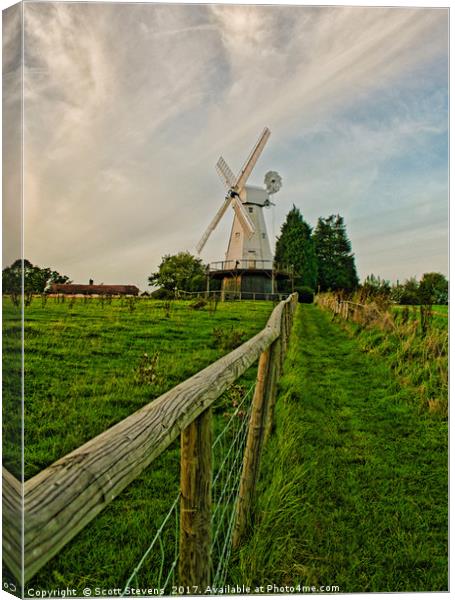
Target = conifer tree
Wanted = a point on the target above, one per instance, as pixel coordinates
(296, 247)
(336, 266)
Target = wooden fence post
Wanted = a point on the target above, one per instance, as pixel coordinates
(272, 384)
(283, 340)
(252, 456)
(195, 502)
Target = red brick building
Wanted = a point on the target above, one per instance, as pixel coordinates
(100, 290)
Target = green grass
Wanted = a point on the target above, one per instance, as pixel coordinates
(418, 358)
(82, 375)
(443, 309)
(439, 314)
(82, 362)
(353, 490)
(12, 387)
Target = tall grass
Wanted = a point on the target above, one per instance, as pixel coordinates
(414, 341)
(353, 488)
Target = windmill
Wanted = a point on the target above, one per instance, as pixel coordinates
(249, 260)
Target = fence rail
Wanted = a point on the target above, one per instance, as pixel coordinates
(345, 308)
(232, 295)
(368, 313)
(63, 498)
(249, 263)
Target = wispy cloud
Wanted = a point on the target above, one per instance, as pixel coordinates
(129, 106)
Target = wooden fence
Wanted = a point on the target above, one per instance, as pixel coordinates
(350, 311)
(62, 499)
(372, 314)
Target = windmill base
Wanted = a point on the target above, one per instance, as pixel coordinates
(248, 286)
(247, 282)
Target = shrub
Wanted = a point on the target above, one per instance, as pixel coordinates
(228, 339)
(306, 294)
(146, 372)
(230, 400)
(199, 303)
(161, 294)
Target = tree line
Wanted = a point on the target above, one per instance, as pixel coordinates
(433, 288)
(320, 260)
(323, 261)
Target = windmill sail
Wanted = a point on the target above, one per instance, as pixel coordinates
(251, 161)
(242, 216)
(213, 223)
(223, 170)
(238, 194)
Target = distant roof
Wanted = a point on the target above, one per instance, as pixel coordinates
(78, 288)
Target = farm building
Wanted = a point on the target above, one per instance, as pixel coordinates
(100, 290)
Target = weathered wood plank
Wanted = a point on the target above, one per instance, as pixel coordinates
(12, 523)
(66, 496)
(195, 502)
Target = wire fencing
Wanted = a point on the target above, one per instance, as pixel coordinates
(228, 450)
(121, 453)
(158, 566)
(164, 555)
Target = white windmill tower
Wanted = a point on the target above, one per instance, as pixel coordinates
(249, 261)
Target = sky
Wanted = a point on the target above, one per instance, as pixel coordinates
(127, 108)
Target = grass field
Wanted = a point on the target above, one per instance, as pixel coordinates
(86, 369)
(439, 316)
(353, 490)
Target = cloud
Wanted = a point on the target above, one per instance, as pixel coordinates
(128, 107)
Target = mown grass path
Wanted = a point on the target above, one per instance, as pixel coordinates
(354, 480)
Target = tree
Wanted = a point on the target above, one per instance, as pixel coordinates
(36, 279)
(296, 247)
(55, 277)
(407, 292)
(336, 266)
(433, 289)
(374, 287)
(182, 271)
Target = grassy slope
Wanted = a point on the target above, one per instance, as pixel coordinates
(81, 365)
(419, 361)
(354, 481)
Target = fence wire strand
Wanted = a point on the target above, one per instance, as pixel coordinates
(227, 456)
(157, 538)
(228, 451)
